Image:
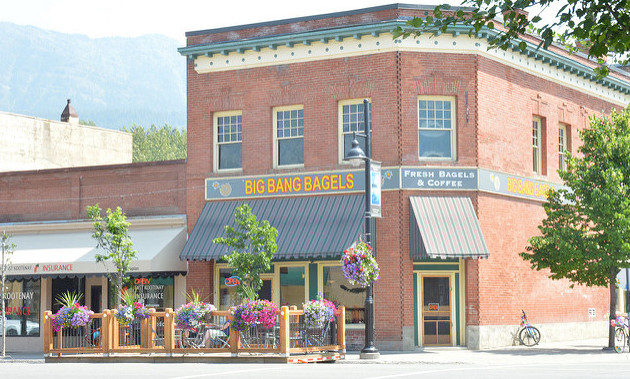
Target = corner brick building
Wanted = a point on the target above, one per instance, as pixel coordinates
(469, 140)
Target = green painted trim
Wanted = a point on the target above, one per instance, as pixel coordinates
(437, 260)
(312, 281)
(416, 312)
(444, 267)
(305, 38)
(457, 310)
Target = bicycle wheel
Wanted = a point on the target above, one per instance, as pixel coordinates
(620, 339)
(529, 336)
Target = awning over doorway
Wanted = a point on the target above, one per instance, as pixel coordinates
(69, 253)
(314, 227)
(445, 227)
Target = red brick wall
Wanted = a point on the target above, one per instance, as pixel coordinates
(140, 189)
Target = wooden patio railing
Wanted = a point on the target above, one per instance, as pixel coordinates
(104, 335)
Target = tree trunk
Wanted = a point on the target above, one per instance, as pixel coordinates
(613, 307)
(119, 278)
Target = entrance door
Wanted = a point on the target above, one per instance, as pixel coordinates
(96, 294)
(265, 291)
(436, 310)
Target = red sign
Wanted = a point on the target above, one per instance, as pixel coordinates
(434, 306)
(232, 281)
(142, 281)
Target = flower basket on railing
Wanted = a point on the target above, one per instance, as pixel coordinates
(359, 265)
(317, 312)
(125, 314)
(253, 312)
(71, 317)
(193, 314)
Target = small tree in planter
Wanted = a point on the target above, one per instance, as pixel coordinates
(112, 235)
(253, 246)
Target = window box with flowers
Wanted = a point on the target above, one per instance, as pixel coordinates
(254, 312)
(318, 312)
(71, 314)
(125, 314)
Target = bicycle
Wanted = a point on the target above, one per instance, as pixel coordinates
(529, 335)
(621, 333)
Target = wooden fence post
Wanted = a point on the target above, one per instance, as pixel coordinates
(235, 336)
(341, 328)
(151, 329)
(48, 335)
(106, 333)
(169, 331)
(284, 331)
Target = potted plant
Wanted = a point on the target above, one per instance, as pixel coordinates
(71, 314)
(130, 309)
(194, 313)
(359, 265)
(317, 312)
(253, 312)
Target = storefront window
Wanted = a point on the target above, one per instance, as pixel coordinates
(227, 289)
(292, 286)
(153, 292)
(22, 307)
(338, 290)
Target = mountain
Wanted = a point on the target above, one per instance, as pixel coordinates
(114, 82)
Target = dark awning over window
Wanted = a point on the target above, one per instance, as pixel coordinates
(445, 227)
(314, 227)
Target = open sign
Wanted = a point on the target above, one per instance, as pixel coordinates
(434, 306)
(232, 281)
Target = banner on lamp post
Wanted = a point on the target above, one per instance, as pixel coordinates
(375, 186)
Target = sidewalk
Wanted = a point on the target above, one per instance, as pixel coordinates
(567, 351)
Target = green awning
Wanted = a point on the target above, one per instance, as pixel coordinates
(314, 227)
(444, 227)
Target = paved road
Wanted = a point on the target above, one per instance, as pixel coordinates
(578, 359)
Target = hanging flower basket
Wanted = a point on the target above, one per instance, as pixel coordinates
(359, 265)
(71, 317)
(193, 314)
(317, 312)
(252, 312)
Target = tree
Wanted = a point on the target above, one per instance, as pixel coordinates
(157, 143)
(7, 250)
(586, 235)
(600, 26)
(112, 235)
(253, 246)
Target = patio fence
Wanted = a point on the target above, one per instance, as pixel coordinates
(104, 335)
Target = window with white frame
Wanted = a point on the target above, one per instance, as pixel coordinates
(289, 136)
(351, 115)
(228, 141)
(436, 127)
(562, 147)
(536, 145)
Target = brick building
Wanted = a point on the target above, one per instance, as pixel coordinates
(469, 140)
(44, 211)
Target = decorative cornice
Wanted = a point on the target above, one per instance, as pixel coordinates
(357, 32)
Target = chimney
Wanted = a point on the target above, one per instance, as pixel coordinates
(70, 115)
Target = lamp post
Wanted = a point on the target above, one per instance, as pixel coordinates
(355, 156)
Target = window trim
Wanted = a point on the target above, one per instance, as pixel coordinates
(215, 142)
(537, 149)
(562, 154)
(340, 133)
(275, 135)
(453, 129)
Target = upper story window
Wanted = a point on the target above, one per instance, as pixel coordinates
(562, 147)
(228, 149)
(289, 136)
(351, 114)
(436, 127)
(537, 145)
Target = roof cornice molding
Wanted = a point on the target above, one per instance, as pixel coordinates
(358, 31)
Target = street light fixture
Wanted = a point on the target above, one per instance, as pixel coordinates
(356, 155)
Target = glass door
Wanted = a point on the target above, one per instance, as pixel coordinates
(436, 310)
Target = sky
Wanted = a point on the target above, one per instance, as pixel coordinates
(173, 18)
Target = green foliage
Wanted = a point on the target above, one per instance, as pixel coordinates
(68, 298)
(87, 122)
(128, 296)
(253, 247)
(112, 235)
(600, 26)
(586, 235)
(157, 143)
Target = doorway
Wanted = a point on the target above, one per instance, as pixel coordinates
(436, 310)
(63, 285)
(96, 298)
(265, 292)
